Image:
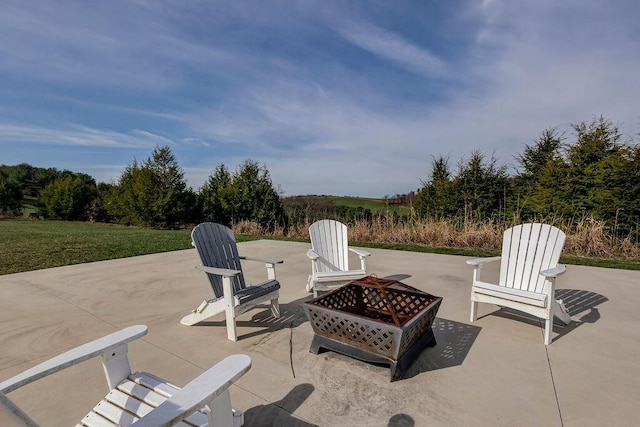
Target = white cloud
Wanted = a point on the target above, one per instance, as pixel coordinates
(394, 48)
(77, 135)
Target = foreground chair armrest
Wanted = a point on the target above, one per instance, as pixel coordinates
(112, 348)
(140, 399)
(210, 388)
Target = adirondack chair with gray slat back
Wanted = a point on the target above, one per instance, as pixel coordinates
(216, 246)
(329, 256)
(528, 269)
(138, 399)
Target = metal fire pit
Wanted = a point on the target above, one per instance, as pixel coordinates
(375, 320)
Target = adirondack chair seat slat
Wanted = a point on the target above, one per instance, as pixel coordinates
(331, 276)
(251, 293)
(154, 390)
(329, 255)
(528, 270)
(526, 297)
(134, 398)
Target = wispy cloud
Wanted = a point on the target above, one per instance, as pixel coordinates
(78, 135)
(118, 44)
(394, 48)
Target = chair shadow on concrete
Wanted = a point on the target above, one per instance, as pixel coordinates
(576, 301)
(453, 342)
(291, 316)
(280, 413)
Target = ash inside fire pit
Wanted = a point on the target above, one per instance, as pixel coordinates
(376, 320)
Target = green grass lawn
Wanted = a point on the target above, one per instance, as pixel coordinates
(31, 244)
(27, 245)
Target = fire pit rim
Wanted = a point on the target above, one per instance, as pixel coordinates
(434, 299)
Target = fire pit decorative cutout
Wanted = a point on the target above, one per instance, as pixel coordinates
(375, 320)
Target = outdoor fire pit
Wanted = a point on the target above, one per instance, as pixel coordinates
(375, 320)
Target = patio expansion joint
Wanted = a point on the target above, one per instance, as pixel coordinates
(553, 383)
(79, 307)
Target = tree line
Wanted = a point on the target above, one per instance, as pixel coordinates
(590, 173)
(152, 193)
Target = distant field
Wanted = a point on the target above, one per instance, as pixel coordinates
(375, 205)
(323, 203)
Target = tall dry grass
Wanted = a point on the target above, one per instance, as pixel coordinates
(585, 237)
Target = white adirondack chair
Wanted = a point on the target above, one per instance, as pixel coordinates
(139, 399)
(218, 252)
(528, 269)
(329, 256)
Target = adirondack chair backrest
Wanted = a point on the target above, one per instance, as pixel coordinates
(217, 248)
(528, 249)
(329, 240)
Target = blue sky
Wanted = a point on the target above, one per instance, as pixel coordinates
(334, 97)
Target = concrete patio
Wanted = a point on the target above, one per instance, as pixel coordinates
(495, 371)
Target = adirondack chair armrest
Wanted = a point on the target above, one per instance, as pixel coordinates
(312, 254)
(218, 271)
(270, 263)
(361, 253)
(554, 272)
(265, 260)
(199, 392)
(479, 262)
(74, 356)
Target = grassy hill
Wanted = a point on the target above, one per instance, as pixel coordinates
(319, 206)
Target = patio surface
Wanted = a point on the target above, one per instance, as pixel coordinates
(495, 371)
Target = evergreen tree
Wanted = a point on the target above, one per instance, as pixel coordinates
(216, 197)
(480, 188)
(434, 199)
(541, 184)
(593, 161)
(67, 198)
(10, 197)
(248, 194)
(153, 194)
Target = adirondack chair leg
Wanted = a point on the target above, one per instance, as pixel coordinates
(204, 311)
(231, 326)
(220, 411)
(548, 327)
(310, 283)
(561, 312)
(229, 308)
(271, 271)
(474, 311)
